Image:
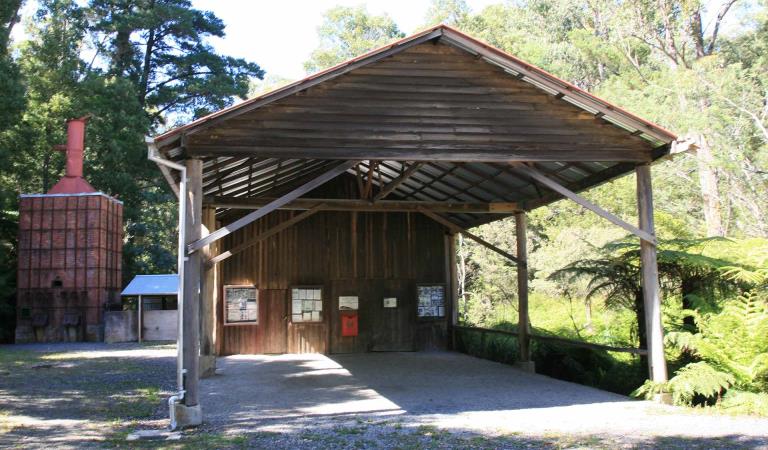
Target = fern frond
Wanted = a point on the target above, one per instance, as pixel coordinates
(698, 379)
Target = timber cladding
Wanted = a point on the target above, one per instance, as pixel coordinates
(368, 255)
(431, 98)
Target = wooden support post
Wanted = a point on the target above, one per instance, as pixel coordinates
(657, 365)
(209, 296)
(523, 322)
(140, 318)
(191, 303)
(453, 286)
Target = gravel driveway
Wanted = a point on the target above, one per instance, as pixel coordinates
(92, 395)
(368, 397)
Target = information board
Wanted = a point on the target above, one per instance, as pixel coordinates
(431, 300)
(348, 303)
(306, 304)
(241, 304)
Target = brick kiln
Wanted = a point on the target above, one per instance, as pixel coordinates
(70, 245)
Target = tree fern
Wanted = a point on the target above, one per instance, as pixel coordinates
(699, 378)
(732, 346)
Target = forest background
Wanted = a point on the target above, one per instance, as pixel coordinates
(142, 66)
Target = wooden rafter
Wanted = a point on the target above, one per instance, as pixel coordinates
(409, 184)
(392, 185)
(275, 204)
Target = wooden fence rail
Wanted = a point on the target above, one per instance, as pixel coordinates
(570, 342)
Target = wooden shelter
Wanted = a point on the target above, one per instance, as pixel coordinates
(321, 217)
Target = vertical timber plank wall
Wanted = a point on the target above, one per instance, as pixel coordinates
(370, 255)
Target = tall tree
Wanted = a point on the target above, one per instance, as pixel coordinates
(347, 32)
(11, 88)
(160, 45)
(450, 12)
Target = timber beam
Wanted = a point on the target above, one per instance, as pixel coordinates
(366, 206)
(454, 154)
(453, 228)
(564, 191)
(263, 236)
(271, 206)
(386, 190)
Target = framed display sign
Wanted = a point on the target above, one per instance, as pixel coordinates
(431, 300)
(306, 304)
(241, 305)
(390, 302)
(348, 303)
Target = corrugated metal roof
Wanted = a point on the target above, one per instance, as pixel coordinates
(153, 285)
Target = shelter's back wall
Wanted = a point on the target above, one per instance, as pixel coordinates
(371, 255)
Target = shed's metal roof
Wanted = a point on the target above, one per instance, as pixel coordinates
(153, 285)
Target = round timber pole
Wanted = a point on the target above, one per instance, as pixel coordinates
(189, 413)
(657, 365)
(523, 322)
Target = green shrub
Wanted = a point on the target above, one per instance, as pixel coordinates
(732, 351)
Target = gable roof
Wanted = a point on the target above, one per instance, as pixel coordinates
(515, 67)
(442, 106)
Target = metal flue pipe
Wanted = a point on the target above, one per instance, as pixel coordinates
(154, 156)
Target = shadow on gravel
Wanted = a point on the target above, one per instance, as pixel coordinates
(60, 393)
(389, 435)
(317, 401)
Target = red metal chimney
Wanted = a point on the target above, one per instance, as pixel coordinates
(73, 181)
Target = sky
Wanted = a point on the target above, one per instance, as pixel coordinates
(280, 35)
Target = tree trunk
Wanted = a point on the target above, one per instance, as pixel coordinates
(688, 287)
(642, 337)
(708, 183)
(146, 69)
(462, 275)
(588, 314)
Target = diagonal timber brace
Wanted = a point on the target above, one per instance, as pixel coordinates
(263, 236)
(453, 228)
(386, 190)
(272, 206)
(560, 189)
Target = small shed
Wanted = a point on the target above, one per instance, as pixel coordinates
(157, 300)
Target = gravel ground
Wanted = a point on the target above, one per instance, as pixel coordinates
(381, 399)
(72, 395)
(92, 395)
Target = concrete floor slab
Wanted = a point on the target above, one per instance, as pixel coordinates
(288, 393)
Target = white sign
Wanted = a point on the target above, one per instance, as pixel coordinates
(348, 302)
(390, 302)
